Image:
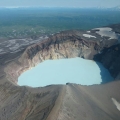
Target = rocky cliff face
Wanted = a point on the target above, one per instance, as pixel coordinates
(60, 102)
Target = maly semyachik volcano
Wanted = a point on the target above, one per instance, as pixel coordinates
(61, 102)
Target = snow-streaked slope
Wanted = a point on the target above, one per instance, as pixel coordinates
(117, 104)
(107, 32)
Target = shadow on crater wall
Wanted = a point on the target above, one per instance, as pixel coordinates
(105, 75)
(110, 58)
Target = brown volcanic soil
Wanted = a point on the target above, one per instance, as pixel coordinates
(90, 102)
(58, 102)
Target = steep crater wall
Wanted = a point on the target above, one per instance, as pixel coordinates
(63, 45)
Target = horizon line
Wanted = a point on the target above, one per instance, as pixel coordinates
(97, 7)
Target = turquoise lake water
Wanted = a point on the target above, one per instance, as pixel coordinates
(74, 70)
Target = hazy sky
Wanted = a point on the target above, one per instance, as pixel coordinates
(60, 3)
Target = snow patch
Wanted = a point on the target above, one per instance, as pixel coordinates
(117, 104)
(15, 47)
(88, 36)
(15, 51)
(106, 31)
(9, 45)
(88, 31)
(45, 37)
(1, 50)
(2, 53)
(12, 41)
